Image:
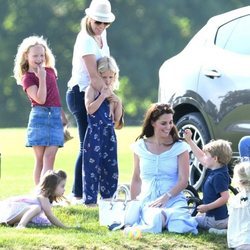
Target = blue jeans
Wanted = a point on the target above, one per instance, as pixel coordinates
(76, 105)
(244, 146)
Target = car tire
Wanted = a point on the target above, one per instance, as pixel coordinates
(195, 122)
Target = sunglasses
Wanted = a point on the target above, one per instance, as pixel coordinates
(99, 23)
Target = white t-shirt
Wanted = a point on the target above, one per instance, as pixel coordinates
(85, 45)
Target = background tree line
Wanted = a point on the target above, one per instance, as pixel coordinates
(144, 35)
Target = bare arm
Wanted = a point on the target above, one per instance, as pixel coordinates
(136, 180)
(222, 200)
(183, 170)
(46, 207)
(64, 118)
(91, 103)
(39, 94)
(91, 65)
(199, 154)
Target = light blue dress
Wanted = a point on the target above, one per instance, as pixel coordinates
(159, 174)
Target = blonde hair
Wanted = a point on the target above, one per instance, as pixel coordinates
(86, 26)
(242, 175)
(108, 63)
(21, 65)
(221, 149)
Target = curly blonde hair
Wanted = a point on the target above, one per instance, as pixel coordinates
(21, 65)
(221, 149)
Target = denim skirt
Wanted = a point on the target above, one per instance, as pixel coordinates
(45, 127)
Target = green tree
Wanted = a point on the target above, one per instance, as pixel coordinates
(144, 35)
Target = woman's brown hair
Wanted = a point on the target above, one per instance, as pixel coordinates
(153, 114)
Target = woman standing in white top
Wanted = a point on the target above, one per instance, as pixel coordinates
(91, 45)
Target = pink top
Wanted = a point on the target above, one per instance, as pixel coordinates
(53, 96)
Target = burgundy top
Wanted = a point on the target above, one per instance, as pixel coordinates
(53, 96)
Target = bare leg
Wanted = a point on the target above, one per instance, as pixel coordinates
(33, 211)
(39, 152)
(49, 158)
(26, 216)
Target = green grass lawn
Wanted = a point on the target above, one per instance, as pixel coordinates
(16, 178)
(17, 160)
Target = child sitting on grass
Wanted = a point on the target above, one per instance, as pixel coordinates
(214, 156)
(238, 234)
(35, 209)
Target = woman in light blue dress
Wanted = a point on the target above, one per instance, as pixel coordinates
(161, 170)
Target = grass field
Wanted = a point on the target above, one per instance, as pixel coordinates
(16, 178)
(17, 160)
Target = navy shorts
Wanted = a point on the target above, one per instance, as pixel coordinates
(45, 127)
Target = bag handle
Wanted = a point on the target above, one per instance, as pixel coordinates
(121, 188)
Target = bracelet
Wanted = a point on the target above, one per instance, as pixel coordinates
(169, 195)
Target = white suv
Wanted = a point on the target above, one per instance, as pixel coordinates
(208, 84)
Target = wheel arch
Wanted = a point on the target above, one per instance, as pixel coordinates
(187, 108)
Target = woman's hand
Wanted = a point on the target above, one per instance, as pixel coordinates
(113, 98)
(160, 202)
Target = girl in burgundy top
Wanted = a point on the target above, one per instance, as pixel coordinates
(34, 70)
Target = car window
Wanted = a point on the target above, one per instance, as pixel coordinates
(235, 36)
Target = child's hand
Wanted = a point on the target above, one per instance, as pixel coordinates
(106, 92)
(187, 135)
(202, 208)
(64, 120)
(41, 72)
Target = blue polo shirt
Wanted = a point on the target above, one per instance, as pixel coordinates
(217, 181)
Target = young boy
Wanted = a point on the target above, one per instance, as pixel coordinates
(215, 156)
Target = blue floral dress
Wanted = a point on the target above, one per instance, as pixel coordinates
(100, 166)
(159, 174)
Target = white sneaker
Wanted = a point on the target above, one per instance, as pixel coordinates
(75, 201)
(217, 231)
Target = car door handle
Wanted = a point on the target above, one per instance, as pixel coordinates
(212, 73)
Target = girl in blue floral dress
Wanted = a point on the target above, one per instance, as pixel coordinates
(100, 167)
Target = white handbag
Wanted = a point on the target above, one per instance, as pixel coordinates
(114, 210)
